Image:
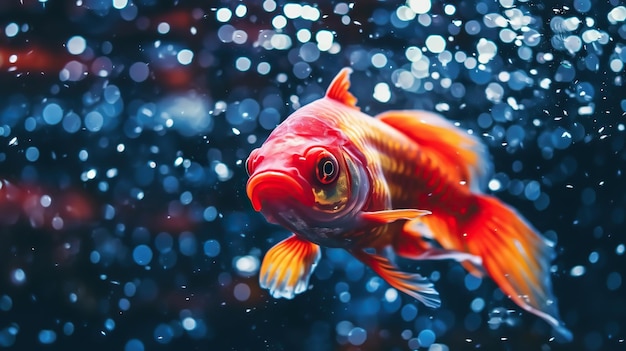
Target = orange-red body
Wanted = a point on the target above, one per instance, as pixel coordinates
(405, 180)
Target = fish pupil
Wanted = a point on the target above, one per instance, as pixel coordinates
(326, 170)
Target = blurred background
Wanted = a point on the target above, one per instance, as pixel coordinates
(125, 125)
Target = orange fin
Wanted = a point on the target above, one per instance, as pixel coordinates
(413, 285)
(411, 243)
(458, 153)
(516, 257)
(287, 266)
(474, 269)
(389, 216)
(338, 88)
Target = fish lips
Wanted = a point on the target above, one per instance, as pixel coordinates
(278, 189)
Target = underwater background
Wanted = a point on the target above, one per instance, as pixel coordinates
(125, 126)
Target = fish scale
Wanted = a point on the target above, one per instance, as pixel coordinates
(409, 174)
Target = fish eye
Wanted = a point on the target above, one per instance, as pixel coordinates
(327, 168)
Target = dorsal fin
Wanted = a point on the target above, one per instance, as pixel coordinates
(460, 155)
(338, 89)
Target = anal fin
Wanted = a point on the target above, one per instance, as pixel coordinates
(287, 267)
(411, 284)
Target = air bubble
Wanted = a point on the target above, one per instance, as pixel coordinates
(47, 337)
(163, 28)
(263, 68)
(309, 52)
(303, 35)
(11, 30)
(18, 276)
(577, 271)
(302, 70)
(426, 338)
(139, 71)
(187, 244)
(382, 92)
(163, 334)
(189, 323)
(120, 4)
(242, 292)
(94, 121)
(408, 312)
(32, 154)
(357, 336)
(379, 60)
(269, 118)
(212, 248)
(6, 303)
(52, 114)
(209, 214)
(142, 255)
(223, 14)
(435, 43)
(247, 265)
(185, 56)
(76, 45)
(472, 27)
(243, 64)
(134, 345)
(279, 22)
(68, 328)
(614, 281)
(582, 5)
(532, 190)
(324, 40)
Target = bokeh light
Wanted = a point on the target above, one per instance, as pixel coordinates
(126, 125)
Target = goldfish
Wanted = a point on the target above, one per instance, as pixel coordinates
(405, 183)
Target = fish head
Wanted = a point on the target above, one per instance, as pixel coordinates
(311, 183)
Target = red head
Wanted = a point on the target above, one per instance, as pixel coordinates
(309, 176)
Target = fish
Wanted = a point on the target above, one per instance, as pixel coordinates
(403, 183)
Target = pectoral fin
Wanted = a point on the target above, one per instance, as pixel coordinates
(389, 216)
(411, 284)
(287, 266)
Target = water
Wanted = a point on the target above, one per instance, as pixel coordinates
(125, 127)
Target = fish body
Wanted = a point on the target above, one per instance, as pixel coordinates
(409, 181)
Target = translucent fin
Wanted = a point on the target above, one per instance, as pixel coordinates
(338, 88)
(413, 285)
(389, 216)
(458, 153)
(443, 254)
(516, 257)
(411, 244)
(474, 268)
(287, 267)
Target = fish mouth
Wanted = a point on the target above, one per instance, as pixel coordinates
(277, 187)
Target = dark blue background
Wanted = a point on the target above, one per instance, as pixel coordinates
(167, 217)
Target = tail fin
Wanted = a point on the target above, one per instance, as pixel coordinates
(516, 257)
